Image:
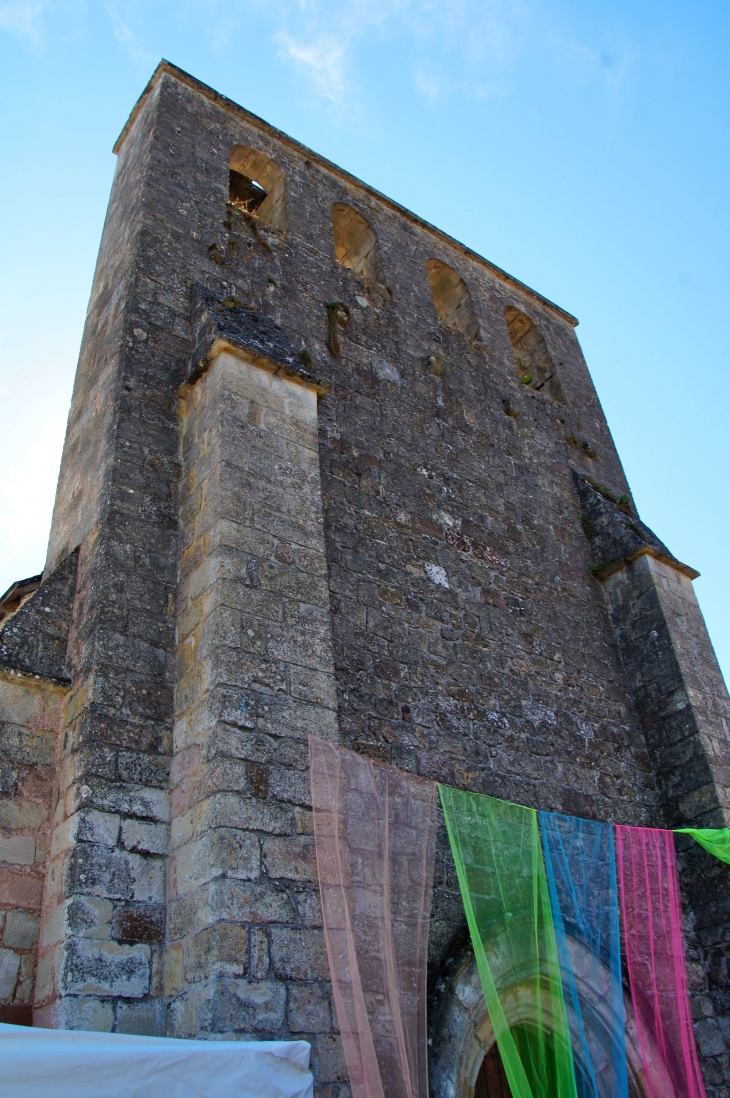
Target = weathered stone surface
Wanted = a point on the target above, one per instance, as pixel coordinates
(309, 1009)
(35, 638)
(221, 949)
(298, 954)
(214, 321)
(238, 1006)
(9, 966)
(21, 930)
(31, 712)
(106, 968)
(142, 1018)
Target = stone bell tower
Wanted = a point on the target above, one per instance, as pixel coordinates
(327, 471)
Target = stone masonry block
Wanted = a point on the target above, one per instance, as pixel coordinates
(99, 871)
(181, 1016)
(82, 916)
(709, 1038)
(309, 1008)
(245, 901)
(221, 949)
(145, 837)
(225, 739)
(80, 1012)
(141, 1018)
(330, 1060)
(289, 717)
(23, 816)
(259, 953)
(238, 1006)
(26, 746)
(21, 930)
(96, 827)
(139, 922)
(129, 800)
(245, 813)
(303, 647)
(9, 966)
(105, 968)
(222, 851)
(289, 785)
(316, 687)
(298, 954)
(291, 858)
(26, 979)
(8, 779)
(148, 873)
(17, 849)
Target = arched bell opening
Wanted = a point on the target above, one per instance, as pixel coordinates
(257, 187)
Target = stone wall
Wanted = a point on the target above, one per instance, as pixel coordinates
(31, 714)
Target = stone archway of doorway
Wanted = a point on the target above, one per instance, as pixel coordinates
(464, 1059)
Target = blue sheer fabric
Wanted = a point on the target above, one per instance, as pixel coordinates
(581, 871)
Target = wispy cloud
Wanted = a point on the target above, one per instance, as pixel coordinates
(322, 60)
(471, 49)
(23, 18)
(464, 45)
(127, 18)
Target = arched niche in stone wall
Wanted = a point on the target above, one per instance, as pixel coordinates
(533, 361)
(257, 186)
(356, 242)
(451, 297)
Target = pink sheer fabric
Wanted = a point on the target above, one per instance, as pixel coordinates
(374, 830)
(650, 905)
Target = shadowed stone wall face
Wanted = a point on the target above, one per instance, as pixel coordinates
(360, 523)
(682, 699)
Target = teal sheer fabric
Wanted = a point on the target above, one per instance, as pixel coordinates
(581, 873)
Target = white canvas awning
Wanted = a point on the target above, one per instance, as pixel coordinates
(54, 1063)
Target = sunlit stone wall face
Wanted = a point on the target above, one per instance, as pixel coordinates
(254, 677)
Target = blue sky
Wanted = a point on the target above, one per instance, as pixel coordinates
(583, 146)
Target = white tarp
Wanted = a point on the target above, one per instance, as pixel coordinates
(55, 1063)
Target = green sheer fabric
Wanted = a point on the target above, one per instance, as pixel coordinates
(499, 862)
(716, 840)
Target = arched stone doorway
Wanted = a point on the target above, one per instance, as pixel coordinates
(464, 1058)
(491, 1080)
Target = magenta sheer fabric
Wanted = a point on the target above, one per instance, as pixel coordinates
(374, 831)
(650, 905)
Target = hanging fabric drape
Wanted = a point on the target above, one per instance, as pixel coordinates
(715, 840)
(650, 906)
(374, 830)
(581, 875)
(498, 856)
(545, 931)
